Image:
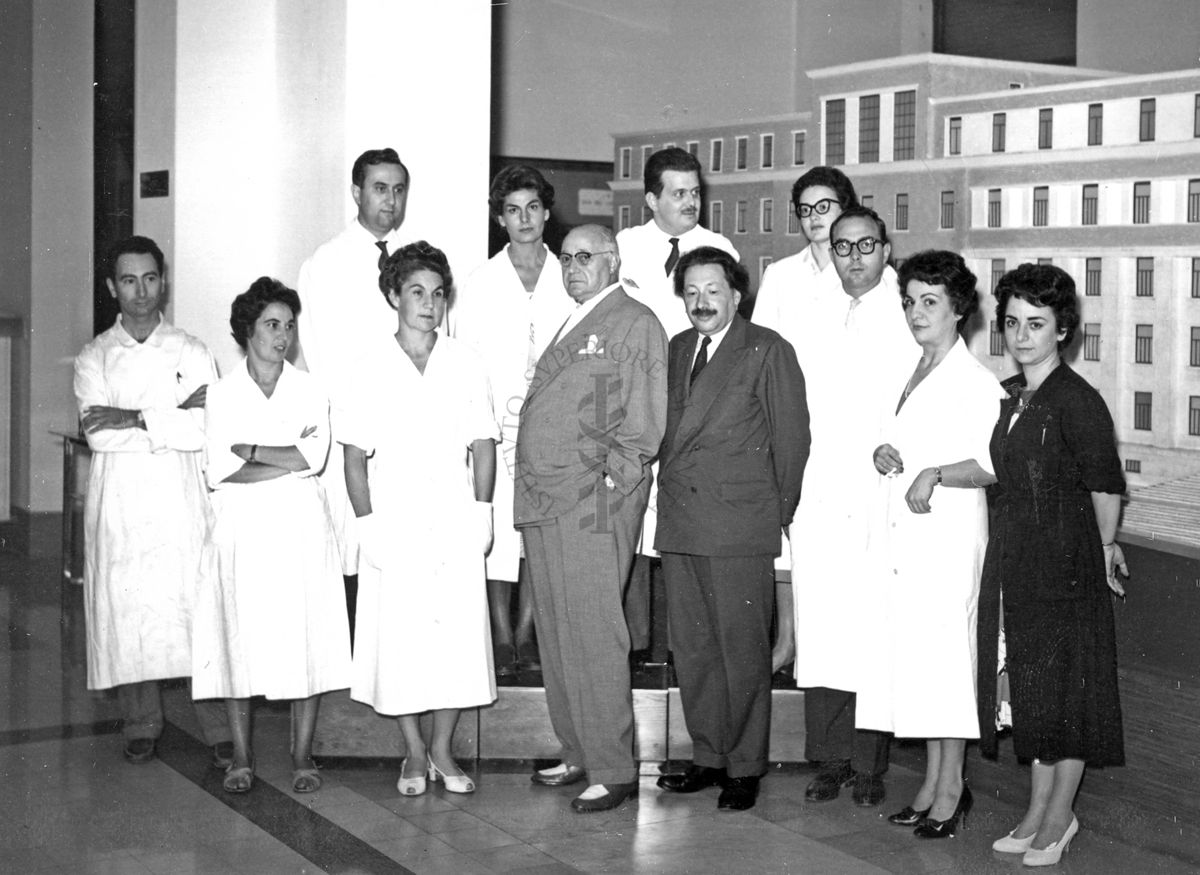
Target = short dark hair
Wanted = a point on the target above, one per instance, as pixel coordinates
(134, 245)
(735, 273)
(829, 177)
(860, 212)
(1042, 285)
(937, 267)
(370, 158)
(407, 260)
(519, 177)
(671, 158)
(249, 305)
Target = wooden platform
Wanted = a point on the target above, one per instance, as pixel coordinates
(517, 726)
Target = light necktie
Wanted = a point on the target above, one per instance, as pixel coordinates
(701, 359)
(383, 253)
(673, 257)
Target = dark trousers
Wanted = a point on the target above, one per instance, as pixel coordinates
(720, 613)
(830, 734)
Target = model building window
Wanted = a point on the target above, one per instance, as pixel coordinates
(901, 222)
(716, 217)
(1143, 344)
(797, 148)
(1045, 128)
(904, 125)
(993, 214)
(626, 161)
(999, 125)
(1095, 124)
(1145, 277)
(1091, 204)
(740, 218)
(955, 139)
(947, 209)
(1091, 277)
(1142, 408)
(766, 217)
(1141, 203)
(835, 131)
(868, 129)
(1146, 120)
(768, 151)
(1041, 206)
(741, 152)
(1091, 341)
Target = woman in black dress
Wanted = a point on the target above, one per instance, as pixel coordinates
(1052, 558)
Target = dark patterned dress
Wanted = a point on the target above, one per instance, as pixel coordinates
(1045, 556)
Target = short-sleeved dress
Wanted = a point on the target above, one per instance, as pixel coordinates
(273, 622)
(1045, 558)
(422, 639)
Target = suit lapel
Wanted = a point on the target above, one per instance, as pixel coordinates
(709, 385)
(558, 355)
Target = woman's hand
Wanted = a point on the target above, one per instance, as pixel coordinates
(1114, 559)
(921, 491)
(887, 460)
(196, 400)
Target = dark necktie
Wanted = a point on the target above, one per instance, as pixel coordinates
(383, 253)
(701, 359)
(673, 257)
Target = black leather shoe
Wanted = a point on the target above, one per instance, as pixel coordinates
(695, 778)
(528, 658)
(739, 794)
(615, 795)
(139, 750)
(943, 829)
(909, 816)
(829, 781)
(573, 775)
(868, 790)
(222, 755)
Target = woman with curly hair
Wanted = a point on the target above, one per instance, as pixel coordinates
(420, 443)
(1051, 563)
(275, 624)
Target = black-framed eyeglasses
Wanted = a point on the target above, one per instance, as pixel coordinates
(582, 257)
(865, 245)
(821, 207)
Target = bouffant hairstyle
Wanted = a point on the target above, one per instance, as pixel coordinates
(407, 260)
(519, 177)
(671, 158)
(735, 273)
(937, 267)
(829, 177)
(1042, 285)
(249, 305)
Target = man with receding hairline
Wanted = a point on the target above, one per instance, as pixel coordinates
(342, 309)
(592, 420)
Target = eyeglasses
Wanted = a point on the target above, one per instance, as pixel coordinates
(865, 245)
(582, 257)
(821, 207)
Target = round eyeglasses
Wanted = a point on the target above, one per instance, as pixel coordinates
(865, 245)
(821, 207)
(582, 257)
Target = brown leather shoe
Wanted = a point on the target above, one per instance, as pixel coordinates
(616, 794)
(573, 775)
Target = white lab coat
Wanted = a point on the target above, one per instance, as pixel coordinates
(925, 568)
(147, 513)
(509, 328)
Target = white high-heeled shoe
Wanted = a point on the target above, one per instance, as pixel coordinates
(454, 783)
(1050, 855)
(1011, 845)
(410, 786)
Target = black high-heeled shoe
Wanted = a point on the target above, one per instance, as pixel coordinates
(909, 816)
(942, 829)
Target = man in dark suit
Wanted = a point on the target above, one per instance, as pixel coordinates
(732, 462)
(592, 421)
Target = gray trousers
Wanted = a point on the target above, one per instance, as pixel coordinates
(578, 565)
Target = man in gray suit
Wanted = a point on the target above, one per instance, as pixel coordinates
(592, 421)
(732, 463)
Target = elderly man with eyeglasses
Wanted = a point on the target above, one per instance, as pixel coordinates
(592, 420)
(856, 336)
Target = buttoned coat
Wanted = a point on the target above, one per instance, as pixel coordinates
(736, 445)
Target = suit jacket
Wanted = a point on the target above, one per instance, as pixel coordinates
(596, 407)
(736, 444)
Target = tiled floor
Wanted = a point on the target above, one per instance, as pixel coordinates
(70, 804)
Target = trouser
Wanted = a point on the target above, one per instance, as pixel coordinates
(142, 712)
(831, 734)
(720, 609)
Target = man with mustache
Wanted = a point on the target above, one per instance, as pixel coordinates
(732, 463)
(649, 254)
(341, 308)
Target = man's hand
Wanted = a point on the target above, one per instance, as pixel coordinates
(887, 460)
(100, 417)
(196, 399)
